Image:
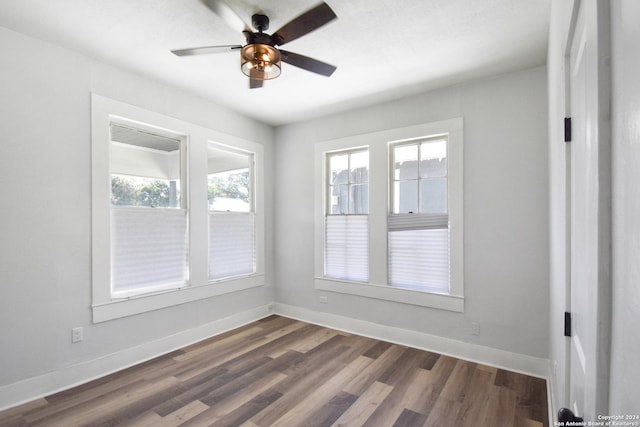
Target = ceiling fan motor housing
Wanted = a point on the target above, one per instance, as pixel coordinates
(258, 38)
(260, 22)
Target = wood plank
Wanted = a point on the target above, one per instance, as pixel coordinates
(119, 382)
(372, 372)
(114, 405)
(425, 397)
(361, 410)
(415, 389)
(499, 409)
(419, 386)
(410, 358)
(183, 414)
(251, 379)
(513, 381)
(527, 423)
(410, 381)
(430, 361)
(458, 382)
(200, 387)
(443, 413)
(328, 413)
(318, 366)
(25, 408)
(230, 402)
(409, 418)
(245, 412)
(222, 351)
(60, 409)
(146, 419)
(475, 398)
(307, 343)
(323, 393)
(377, 349)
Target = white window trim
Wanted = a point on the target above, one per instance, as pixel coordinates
(378, 145)
(103, 112)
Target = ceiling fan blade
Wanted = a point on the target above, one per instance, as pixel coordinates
(206, 50)
(307, 63)
(224, 11)
(254, 83)
(304, 24)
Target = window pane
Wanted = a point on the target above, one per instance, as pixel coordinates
(433, 195)
(231, 245)
(148, 250)
(347, 247)
(228, 180)
(419, 259)
(360, 167)
(433, 159)
(148, 192)
(359, 199)
(145, 168)
(339, 169)
(405, 197)
(405, 158)
(339, 199)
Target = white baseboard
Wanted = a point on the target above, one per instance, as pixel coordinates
(516, 362)
(69, 376)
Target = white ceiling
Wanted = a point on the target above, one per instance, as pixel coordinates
(384, 49)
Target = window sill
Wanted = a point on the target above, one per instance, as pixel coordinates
(406, 296)
(119, 308)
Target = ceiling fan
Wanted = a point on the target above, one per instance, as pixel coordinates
(260, 58)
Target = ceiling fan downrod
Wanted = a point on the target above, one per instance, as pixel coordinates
(260, 22)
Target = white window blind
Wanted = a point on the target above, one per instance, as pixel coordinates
(347, 247)
(148, 250)
(419, 252)
(231, 244)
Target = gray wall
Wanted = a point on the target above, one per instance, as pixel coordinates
(45, 248)
(505, 211)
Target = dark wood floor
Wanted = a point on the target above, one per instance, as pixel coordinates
(282, 372)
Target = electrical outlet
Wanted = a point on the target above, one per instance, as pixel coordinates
(77, 334)
(475, 328)
(324, 300)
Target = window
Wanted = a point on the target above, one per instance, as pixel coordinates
(148, 211)
(414, 229)
(177, 211)
(419, 175)
(231, 216)
(418, 224)
(346, 223)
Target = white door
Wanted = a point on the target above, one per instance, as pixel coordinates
(589, 218)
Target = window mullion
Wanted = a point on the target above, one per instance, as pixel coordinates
(419, 177)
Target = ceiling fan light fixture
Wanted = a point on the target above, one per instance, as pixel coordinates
(260, 61)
